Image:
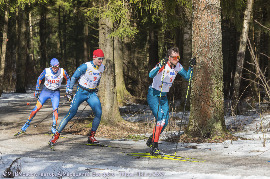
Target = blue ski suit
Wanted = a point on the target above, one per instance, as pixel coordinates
(157, 93)
(89, 75)
(50, 91)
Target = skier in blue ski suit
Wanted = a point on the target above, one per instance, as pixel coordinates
(89, 75)
(53, 79)
(163, 75)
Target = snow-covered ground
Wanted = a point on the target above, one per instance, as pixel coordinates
(27, 162)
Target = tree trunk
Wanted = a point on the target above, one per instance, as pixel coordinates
(4, 49)
(31, 43)
(187, 52)
(241, 54)
(43, 36)
(60, 37)
(122, 93)
(107, 91)
(153, 48)
(207, 113)
(22, 52)
(85, 42)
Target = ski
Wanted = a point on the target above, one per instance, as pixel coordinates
(19, 133)
(104, 145)
(51, 146)
(97, 144)
(166, 157)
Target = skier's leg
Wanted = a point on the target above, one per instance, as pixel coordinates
(162, 121)
(78, 98)
(95, 104)
(155, 103)
(165, 108)
(55, 98)
(42, 99)
(160, 108)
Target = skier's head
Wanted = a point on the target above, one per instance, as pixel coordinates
(98, 57)
(173, 55)
(54, 64)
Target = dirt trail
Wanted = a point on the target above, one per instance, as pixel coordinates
(241, 158)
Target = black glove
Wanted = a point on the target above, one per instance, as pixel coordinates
(37, 94)
(192, 62)
(69, 96)
(163, 62)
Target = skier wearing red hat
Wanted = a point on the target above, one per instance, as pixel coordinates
(89, 75)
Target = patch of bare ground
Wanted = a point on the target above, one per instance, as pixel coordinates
(121, 130)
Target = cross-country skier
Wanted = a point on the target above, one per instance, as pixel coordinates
(53, 79)
(163, 75)
(89, 75)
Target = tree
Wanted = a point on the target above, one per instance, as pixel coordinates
(107, 93)
(187, 49)
(43, 35)
(207, 113)
(241, 53)
(118, 14)
(22, 49)
(4, 48)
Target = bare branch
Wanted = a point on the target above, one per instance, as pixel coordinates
(262, 25)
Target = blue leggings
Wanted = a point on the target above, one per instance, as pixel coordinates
(43, 97)
(92, 99)
(160, 109)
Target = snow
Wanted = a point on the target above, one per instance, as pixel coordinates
(7, 99)
(43, 168)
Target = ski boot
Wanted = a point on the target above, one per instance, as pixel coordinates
(54, 129)
(91, 138)
(25, 126)
(149, 142)
(54, 139)
(23, 129)
(154, 150)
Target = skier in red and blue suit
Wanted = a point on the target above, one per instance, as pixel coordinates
(163, 75)
(89, 75)
(53, 79)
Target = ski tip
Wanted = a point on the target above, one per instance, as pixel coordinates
(19, 133)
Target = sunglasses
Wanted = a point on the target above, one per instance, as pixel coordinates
(175, 57)
(100, 58)
(56, 66)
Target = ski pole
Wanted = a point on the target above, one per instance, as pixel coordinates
(189, 84)
(45, 117)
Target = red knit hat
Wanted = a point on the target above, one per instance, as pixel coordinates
(98, 53)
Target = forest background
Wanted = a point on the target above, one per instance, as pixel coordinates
(229, 38)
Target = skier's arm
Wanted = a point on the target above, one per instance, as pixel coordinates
(39, 80)
(67, 80)
(80, 71)
(154, 71)
(186, 74)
